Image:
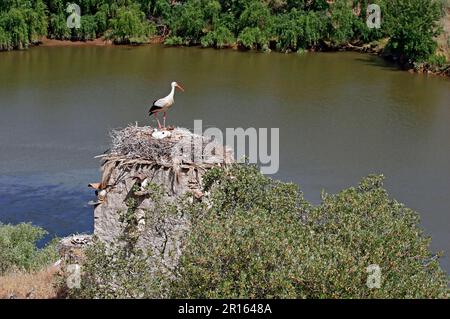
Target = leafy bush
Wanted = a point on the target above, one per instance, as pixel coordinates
(130, 27)
(14, 22)
(437, 60)
(342, 20)
(163, 10)
(253, 38)
(254, 237)
(412, 25)
(300, 29)
(314, 5)
(36, 20)
(190, 21)
(260, 239)
(18, 251)
(101, 19)
(87, 28)
(256, 15)
(116, 272)
(5, 40)
(58, 27)
(22, 23)
(174, 41)
(219, 38)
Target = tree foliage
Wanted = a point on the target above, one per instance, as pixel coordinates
(412, 25)
(219, 38)
(21, 23)
(285, 25)
(298, 29)
(129, 26)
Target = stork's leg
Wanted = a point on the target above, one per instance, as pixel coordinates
(159, 124)
(164, 120)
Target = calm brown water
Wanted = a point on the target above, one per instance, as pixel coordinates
(341, 116)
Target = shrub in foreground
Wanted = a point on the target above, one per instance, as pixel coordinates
(115, 272)
(18, 250)
(260, 239)
(254, 237)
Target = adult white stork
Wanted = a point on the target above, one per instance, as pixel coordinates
(163, 104)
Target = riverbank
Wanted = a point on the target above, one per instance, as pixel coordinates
(46, 42)
(101, 41)
(378, 48)
(251, 25)
(374, 48)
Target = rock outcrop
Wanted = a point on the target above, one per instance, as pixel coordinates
(71, 248)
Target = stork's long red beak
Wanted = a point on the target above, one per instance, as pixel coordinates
(178, 86)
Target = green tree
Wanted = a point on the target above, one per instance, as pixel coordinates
(36, 20)
(14, 22)
(58, 27)
(191, 21)
(162, 9)
(88, 27)
(342, 21)
(219, 38)
(300, 29)
(412, 25)
(129, 26)
(101, 18)
(256, 15)
(315, 5)
(253, 38)
(5, 39)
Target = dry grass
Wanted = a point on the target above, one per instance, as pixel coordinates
(35, 285)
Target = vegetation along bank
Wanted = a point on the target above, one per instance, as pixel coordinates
(413, 32)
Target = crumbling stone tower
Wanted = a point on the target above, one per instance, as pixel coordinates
(174, 160)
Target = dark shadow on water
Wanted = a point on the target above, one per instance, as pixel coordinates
(379, 62)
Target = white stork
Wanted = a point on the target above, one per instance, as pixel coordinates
(162, 105)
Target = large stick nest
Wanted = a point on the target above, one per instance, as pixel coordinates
(182, 147)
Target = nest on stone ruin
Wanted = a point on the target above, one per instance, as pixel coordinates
(181, 148)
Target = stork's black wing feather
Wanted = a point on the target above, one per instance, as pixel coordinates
(154, 108)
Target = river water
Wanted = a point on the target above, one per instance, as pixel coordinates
(341, 117)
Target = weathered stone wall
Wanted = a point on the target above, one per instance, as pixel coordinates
(124, 191)
(163, 237)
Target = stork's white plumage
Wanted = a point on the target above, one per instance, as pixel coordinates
(163, 104)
